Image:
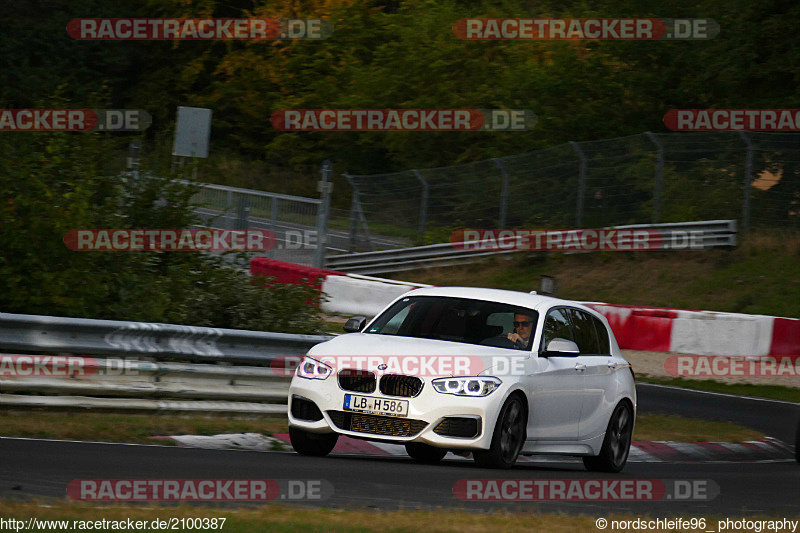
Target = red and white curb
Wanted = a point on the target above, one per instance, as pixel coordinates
(767, 450)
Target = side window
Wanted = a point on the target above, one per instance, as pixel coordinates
(556, 326)
(602, 336)
(585, 335)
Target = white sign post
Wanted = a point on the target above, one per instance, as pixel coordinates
(192, 132)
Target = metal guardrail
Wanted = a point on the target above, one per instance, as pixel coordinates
(139, 405)
(140, 385)
(705, 234)
(156, 382)
(111, 337)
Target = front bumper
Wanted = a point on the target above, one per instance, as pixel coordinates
(425, 412)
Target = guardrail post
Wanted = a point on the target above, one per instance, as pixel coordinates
(501, 219)
(325, 187)
(581, 184)
(748, 178)
(659, 175)
(423, 207)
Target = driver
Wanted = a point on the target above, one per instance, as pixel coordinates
(523, 326)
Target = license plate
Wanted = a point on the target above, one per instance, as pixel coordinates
(375, 406)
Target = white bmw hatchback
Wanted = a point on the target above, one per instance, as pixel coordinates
(493, 372)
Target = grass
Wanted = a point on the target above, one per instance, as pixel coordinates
(140, 429)
(676, 428)
(758, 277)
(772, 392)
(105, 427)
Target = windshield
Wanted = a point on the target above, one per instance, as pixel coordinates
(458, 320)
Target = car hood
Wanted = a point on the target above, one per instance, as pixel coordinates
(404, 355)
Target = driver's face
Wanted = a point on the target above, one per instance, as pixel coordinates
(523, 325)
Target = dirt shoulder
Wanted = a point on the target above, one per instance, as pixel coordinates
(651, 364)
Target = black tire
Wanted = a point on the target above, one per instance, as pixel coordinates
(425, 453)
(508, 437)
(313, 444)
(616, 444)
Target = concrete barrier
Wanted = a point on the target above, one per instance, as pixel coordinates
(361, 295)
(291, 273)
(710, 333)
(785, 337)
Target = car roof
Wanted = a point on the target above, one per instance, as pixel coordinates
(537, 302)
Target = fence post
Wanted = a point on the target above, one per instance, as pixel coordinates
(581, 184)
(748, 175)
(501, 222)
(659, 175)
(325, 187)
(354, 202)
(423, 207)
(229, 210)
(243, 212)
(273, 213)
(134, 149)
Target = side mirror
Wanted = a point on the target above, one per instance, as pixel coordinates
(355, 324)
(561, 347)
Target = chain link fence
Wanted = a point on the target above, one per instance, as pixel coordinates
(639, 179)
(296, 221)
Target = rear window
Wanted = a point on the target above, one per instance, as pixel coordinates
(602, 336)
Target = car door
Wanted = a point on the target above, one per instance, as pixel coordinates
(555, 402)
(599, 388)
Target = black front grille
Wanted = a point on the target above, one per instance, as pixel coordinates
(395, 385)
(357, 380)
(305, 409)
(458, 427)
(377, 425)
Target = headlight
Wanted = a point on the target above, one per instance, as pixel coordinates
(469, 386)
(312, 369)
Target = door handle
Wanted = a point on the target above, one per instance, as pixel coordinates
(580, 367)
(612, 365)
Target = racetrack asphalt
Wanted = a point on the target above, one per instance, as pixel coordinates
(38, 468)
